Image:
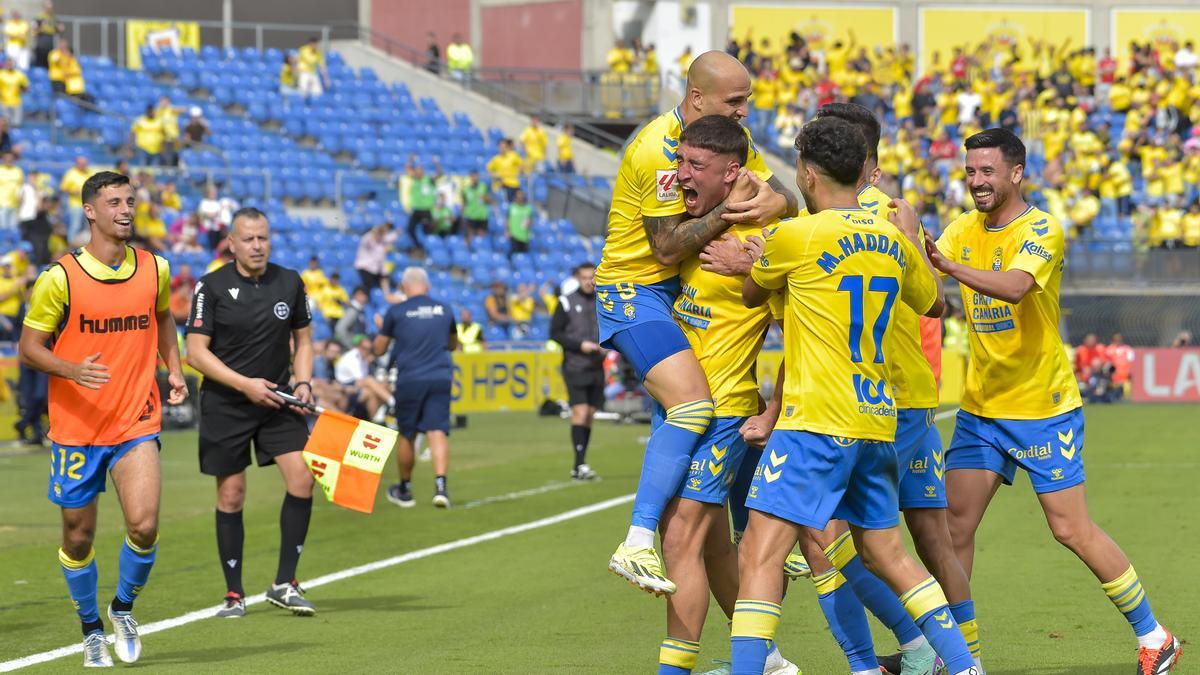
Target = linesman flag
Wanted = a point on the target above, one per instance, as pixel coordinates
(346, 456)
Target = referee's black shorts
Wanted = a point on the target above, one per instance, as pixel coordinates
(229, 422)
(585, 388)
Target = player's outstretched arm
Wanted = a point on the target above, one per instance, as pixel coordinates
(676, 237)
(34, 353)
(1010, 286)
(168, 349)
(771, 201)
(754, 295)
(904, 217)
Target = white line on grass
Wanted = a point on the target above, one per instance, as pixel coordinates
(192, 617)
(510, 496)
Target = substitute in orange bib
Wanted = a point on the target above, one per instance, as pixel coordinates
(245, 319)
(98, 321)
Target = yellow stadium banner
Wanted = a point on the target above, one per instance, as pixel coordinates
(160, 35)
(1166, 29)
(499, 381)
(819, 25)
(941, 29)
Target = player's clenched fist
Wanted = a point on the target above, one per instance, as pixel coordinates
(88, 373)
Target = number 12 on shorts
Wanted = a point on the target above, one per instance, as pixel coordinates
(69, 464)
(853, 284)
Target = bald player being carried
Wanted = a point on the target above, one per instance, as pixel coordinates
(649, 234)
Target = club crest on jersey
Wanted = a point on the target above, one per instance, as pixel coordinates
(966, 254)
(667, 185)
(998, 260)
(282, 311)
(630, 312)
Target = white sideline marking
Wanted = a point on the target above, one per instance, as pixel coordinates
(207, 613)
(510, 496)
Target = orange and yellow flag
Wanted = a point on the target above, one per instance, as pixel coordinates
(346, 456)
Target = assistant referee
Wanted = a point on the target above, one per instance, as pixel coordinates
(246, 319)
(576, 328)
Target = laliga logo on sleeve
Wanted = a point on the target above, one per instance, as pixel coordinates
(282, 311)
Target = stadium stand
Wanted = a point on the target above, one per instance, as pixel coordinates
(350, 147)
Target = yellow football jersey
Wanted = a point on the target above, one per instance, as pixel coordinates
(646, 186)
(724, 333)
(845, 272)
(912, 376)
(1018, 368)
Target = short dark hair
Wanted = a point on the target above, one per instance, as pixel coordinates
(834, 145)
(98, 181)
(360, 289)
(1011, 147)
(583, 266)
(718, 134)
(859, 116)
(247, 212)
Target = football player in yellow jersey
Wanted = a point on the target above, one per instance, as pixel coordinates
(725, 336)
(1021, 407)
(922, 491)
(637, 282)
(831, 454)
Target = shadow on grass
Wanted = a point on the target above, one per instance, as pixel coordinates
(375, 603)
(1099, 669)
(216, 655)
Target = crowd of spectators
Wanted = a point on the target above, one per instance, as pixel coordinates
(1100, 133)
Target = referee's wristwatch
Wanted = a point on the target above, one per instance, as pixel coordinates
(305, 383)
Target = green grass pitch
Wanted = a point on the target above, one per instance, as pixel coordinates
(542, 600)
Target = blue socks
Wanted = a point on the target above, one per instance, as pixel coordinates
(871, 590)
(847, 619)
(1126, 593)
(668, 455)
(964, 615)
(754, 626)
(82, 579)
(134, 571)
(927, 606)
(677, 657)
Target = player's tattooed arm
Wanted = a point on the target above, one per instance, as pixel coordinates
(673, 239)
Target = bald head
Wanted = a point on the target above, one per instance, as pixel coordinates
(715, 67)
(717, 84)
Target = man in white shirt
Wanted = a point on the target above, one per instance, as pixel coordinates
(1185, 58)
(353, 370)
(968, 103)
(31, 199)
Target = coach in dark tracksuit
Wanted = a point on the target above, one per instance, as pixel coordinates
(421, 332)
(575, 327)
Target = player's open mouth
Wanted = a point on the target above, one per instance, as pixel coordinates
(690, 196)
(982, 194)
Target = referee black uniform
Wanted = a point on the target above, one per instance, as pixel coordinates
(575, 327)
(247, 319)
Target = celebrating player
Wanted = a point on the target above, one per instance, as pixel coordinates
(107, 307)
(725, 336)
(649, 234)
(245, 318)
(922, 495)
(1021, 407)
(832, 455)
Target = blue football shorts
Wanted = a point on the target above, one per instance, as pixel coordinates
(636, 320)
(77, 471)
(809, 478)
(715, 462)
(1050, 450)
(921, 459)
